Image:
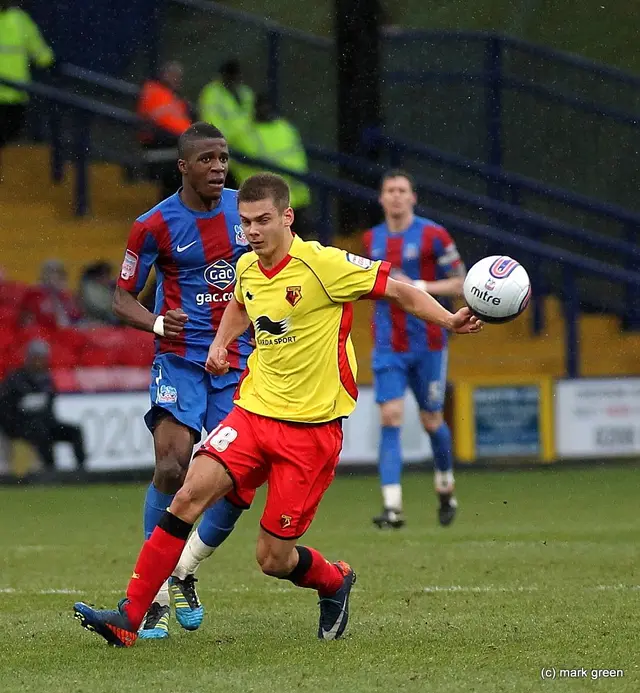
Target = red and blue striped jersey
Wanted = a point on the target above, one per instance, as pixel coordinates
(422, 251)
(194, 255)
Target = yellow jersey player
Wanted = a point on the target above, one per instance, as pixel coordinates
(285, 429)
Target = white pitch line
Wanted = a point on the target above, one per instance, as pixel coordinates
(429, 589)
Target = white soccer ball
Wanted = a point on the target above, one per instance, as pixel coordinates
(497, 289)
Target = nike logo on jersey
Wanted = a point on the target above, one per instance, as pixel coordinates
(182, 248)
(266, 324)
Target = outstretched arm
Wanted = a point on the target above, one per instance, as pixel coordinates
(234, 322)
(424, 306)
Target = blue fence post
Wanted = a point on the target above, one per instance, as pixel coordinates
(493, 109)
(538, 294)
(324, 230)
(571, 313)
(631, 318)
(57, 155)
(273, 66)
(81, 154)
(154, 38)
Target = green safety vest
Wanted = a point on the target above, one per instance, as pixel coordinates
(20, 44)
(218, 106)
(277, 141)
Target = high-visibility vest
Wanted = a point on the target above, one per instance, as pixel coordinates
(160, 105)
(279, 142)
(218, 106)
(20, 44)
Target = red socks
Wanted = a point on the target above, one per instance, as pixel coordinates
(314, 571)
(159, 556)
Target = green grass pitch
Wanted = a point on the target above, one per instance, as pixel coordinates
(539, 570)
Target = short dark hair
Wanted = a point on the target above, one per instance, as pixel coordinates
(398, 173)
(197, 131)
(263, 186)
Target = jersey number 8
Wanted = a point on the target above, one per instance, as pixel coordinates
(221, 437)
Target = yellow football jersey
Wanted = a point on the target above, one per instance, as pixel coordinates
(304, 365)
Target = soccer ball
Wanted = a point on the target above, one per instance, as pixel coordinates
(497, 289)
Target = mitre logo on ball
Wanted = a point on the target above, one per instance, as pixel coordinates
(491, 285)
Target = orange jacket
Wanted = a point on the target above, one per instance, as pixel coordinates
(161, 106)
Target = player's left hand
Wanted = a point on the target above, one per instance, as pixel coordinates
(465, 322)
(217, 362)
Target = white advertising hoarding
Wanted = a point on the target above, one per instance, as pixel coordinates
(117, 438)
(597, 417)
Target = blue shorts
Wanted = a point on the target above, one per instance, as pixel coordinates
(190, 394)
(424, 372)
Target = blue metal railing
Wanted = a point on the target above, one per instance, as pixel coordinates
(537, 223)
(328, 189)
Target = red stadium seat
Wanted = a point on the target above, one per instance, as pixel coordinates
(62, 356)
(140, 348)
(31, 332)
(8, 334)
(107, 337)
(12, 293)
(9, 318)
(73, 339)
(97, 356)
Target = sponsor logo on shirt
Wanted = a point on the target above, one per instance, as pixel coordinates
(129, 265)
(220, 274)
(276, 329)
(363, 262)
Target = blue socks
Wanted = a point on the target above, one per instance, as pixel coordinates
(155, 503)
(390, 456)
(218, 522)
(441, 446)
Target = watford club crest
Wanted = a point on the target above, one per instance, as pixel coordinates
(294, 294)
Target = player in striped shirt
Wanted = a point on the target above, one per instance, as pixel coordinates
(193, 239)
(407, 351)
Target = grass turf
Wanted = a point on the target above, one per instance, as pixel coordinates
(539, 570)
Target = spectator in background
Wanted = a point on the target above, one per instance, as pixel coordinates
(26, 408)
(228, 104)
(169, 115)
(272, 138)
(20, 44)
(96, 293)
(50, 304)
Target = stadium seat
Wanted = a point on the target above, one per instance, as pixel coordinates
(12, 293)
(8, 317)
(73, 339)
(97, 356)
(31, 332)
(62, 356)
(140, 349)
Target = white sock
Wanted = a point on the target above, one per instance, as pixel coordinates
(192, 556)
(443, 482)
(163, 595)
(392, 497)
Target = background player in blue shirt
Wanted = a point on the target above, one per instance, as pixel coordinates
(407, 351)
(193, 240)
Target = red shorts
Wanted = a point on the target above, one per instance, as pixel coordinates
(298, 462)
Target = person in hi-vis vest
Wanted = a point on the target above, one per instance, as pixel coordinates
(166, 116)
(21, 44)
(273, 138)
(228, 103)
